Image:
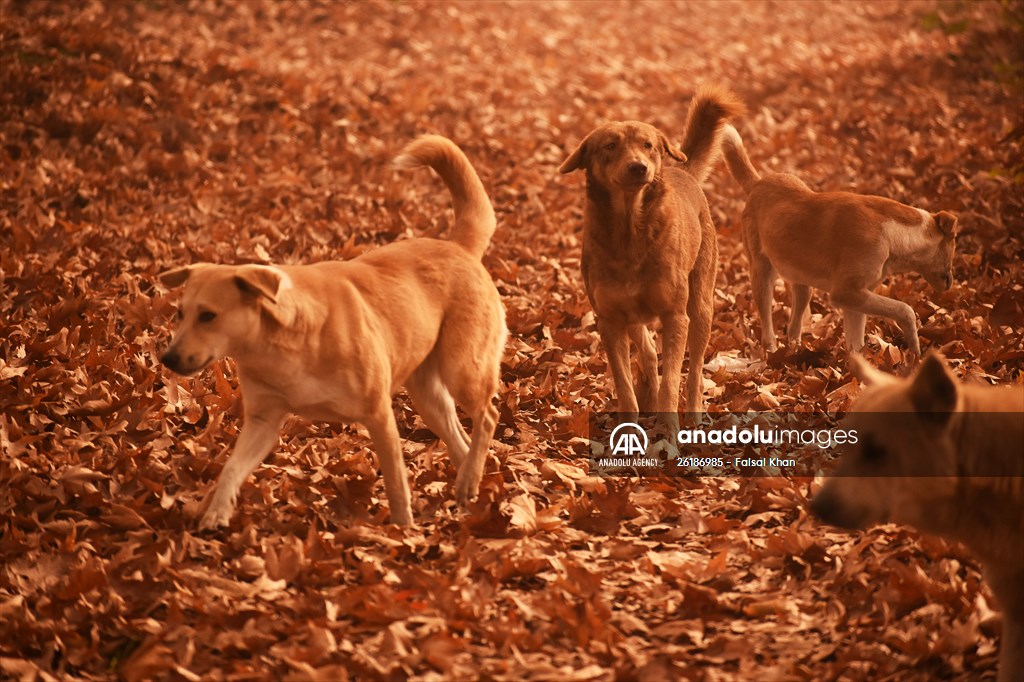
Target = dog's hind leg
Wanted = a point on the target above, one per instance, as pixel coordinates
(469, 352)
(437, 408)
(384, 432)
(762, 282)
(647, 357)
(699, 336)
(701, 308)
(474, 384)
(800, 298)
(258, 437)
(467, 483)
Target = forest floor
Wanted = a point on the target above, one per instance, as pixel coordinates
(139, 136)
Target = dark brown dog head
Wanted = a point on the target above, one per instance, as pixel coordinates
(624, 156)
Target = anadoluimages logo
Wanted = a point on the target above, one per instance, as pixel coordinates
(628, 440)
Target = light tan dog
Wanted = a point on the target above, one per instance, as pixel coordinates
(335, 340)
(948, 459)
(840, 242)
(650, 250)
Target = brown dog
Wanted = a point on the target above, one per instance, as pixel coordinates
(335, 340)
(649, 248)
(949, 459)
(841, 242)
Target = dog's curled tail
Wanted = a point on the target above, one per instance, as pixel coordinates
(474, 215)
(705, 122)
(737, 160)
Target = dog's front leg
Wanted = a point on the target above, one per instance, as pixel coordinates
(854, 322)
(647, 356)
(870, 303)
(1011, 649)
(384, 433)
(674, 329)
(616, 342)
(257, 439)
(1006, 585)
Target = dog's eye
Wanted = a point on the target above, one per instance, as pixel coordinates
(872, 451)
(648, 145)
(207, 316)
(610, 145)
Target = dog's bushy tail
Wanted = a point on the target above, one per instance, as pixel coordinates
(474, 215)
(737, 160)
(705, 123)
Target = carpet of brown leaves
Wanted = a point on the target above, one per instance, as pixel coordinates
(135, 136)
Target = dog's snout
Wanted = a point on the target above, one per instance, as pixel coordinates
(637, 169)
(829, 507)
(171, 359)
(824, 507)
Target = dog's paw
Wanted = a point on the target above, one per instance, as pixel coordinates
(466, 489)
(215, 517)
(402, 519)
(647, 394)
(456, 458)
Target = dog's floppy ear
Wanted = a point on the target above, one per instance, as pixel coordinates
(946, 222)
(259, 280)
(868, 374)
(934, 389)
(670, 149)
(176, 277)
(576, 160)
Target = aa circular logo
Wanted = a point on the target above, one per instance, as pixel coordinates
(628, 440)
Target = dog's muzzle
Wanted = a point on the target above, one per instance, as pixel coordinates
(824, 507)
(172, 360)
(635, 176)
(828, 507)
(175, 362)
(940, 281)
(637, 170)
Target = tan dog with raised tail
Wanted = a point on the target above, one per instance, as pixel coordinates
(335, 340)
(840, 242)
(650, 249)
(946, 458)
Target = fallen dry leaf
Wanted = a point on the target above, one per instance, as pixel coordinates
(135, 137)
